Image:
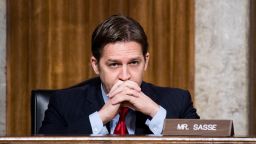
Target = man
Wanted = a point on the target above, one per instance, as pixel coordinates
(117, 101)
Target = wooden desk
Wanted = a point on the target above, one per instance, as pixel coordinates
(119, 139)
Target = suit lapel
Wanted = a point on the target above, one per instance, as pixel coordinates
(94, 96)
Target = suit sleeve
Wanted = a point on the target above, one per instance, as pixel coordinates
(53, 122)
(188, 112)
(67, 114)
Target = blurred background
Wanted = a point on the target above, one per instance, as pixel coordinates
(205, 46)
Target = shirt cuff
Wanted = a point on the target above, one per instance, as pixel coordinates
(156, 124)
(97, 125)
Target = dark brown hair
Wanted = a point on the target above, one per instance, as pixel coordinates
(117, 28)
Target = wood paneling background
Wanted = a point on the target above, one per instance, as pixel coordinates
(48, 46)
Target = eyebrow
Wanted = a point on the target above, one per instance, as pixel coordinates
(112, 60)
(132, 59)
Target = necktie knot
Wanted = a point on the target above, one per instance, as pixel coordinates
(123, 112)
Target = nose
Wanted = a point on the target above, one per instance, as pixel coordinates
(124, 73)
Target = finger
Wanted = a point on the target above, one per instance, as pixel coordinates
(132, 85)
(125, 91)
(132, 92)
(119, 89)
(122, 87)
(121, 98)
(116, 85)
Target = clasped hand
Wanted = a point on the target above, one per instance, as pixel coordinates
(127, 94)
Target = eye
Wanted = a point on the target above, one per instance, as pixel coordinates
(135, 62)
(114, 65)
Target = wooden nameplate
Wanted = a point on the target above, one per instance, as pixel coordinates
(197, 127)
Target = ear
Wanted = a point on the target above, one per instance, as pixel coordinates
(95, 65)
(146, 61)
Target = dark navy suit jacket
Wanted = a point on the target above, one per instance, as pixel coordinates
(68, 110)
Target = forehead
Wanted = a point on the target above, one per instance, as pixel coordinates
(122, 50)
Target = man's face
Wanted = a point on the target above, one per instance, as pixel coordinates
(120, 61)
